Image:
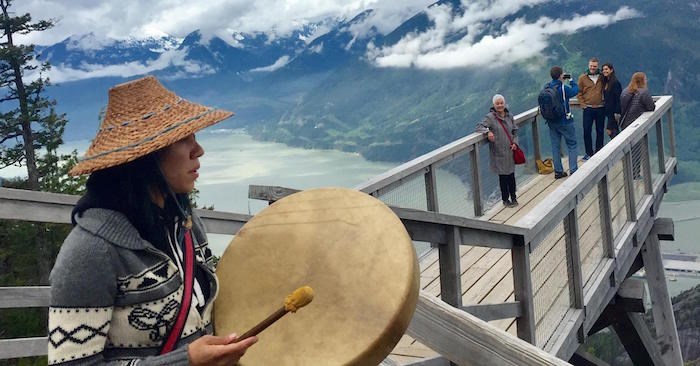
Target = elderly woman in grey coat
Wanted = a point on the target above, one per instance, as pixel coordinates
(502, 133)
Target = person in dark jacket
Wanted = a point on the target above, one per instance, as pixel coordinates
(134, 281)
(563, 128)
(502, 133)
(635, 100)
(611, 99)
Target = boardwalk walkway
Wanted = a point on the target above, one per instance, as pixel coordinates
(546, 271)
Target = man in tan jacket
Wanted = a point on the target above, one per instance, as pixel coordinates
(590, 97)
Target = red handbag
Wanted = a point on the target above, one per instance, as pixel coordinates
(518, 154)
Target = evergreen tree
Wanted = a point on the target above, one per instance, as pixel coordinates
(30, 122)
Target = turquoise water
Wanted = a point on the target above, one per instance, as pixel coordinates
(233, 161)
(686, 218)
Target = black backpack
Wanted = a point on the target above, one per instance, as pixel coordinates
(551, 103)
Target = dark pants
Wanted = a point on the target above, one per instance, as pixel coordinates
(507, 183)
(591, 115)
(610, 125)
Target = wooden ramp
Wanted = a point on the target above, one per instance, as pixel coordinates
(487, 273)
(544, 275)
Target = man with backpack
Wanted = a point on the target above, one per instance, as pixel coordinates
(554, 108)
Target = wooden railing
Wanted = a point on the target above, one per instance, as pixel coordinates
(596, 220)
(467, 339)
(589, 228)
(467, 153)
(55, 208)
(627, 207)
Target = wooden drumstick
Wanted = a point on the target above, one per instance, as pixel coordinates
(293, 302)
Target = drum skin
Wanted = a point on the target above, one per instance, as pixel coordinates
(351, 249)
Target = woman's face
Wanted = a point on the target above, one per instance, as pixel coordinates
(179, 163)
(606, 71)
(499, 105)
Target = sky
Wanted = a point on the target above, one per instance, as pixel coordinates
(436, 48)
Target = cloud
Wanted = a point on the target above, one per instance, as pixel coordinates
(60, 73)
(120, 19)
(518, 40)
(278, 64)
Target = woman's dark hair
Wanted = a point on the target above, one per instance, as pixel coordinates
(610, 80)
(127, 188)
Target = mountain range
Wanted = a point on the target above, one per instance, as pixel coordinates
(321, 86)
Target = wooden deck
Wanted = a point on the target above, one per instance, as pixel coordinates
(487, 273)
(555, 262)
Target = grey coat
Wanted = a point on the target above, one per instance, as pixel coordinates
(500, 152)
(637, 103)
(114, 295)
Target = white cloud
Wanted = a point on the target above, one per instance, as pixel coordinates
(518, 40)
(278, 64)
(120, 19)
(60, 73)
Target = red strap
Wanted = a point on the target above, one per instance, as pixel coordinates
(188, 265)
(504, 128)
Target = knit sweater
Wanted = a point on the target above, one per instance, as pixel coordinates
(114, 296)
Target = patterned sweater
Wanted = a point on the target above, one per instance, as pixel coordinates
(114, 296)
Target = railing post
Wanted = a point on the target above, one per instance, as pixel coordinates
(573, 258)
(646, 164)
(671, 134)
(608, 236)
(431, 195)
(450, 272)
(476, 181)
(536, 140)
(628, 177)
(660, 147)
(522, 289)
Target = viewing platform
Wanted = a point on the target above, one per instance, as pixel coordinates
(499, 286)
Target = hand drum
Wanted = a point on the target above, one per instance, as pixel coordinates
(346, 245)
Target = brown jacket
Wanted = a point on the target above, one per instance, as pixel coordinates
(589, 93)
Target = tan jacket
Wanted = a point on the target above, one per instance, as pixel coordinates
(589, 93)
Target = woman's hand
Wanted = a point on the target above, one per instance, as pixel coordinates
(490, 136)
(213, 350)
(513, 147)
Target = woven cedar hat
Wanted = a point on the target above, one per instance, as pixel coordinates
(143, 116)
